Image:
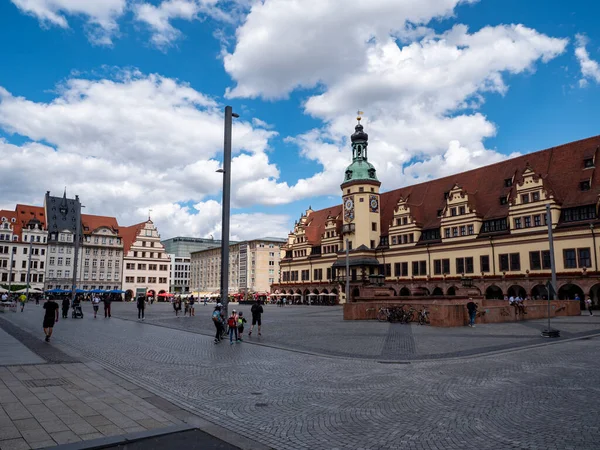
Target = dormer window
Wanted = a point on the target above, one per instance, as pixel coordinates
(525, 198)
(398, 222)
(503, 200)
(404, 220)
(508, 182)
(461, 210)
(453, 212)
(361, 189)
(584, 185)
(588, 162)
(440, 212)
(535, 197)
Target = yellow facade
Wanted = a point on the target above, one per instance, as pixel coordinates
(487, 227)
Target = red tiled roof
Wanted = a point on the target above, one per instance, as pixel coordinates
(316, 221)
(129, 235)
(561, 169)
(92, 223)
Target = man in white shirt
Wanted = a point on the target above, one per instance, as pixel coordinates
(4, 297)
(95, 304)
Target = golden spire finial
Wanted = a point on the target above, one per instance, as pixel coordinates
(359, 115)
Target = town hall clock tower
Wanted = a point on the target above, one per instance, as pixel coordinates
(360, 196)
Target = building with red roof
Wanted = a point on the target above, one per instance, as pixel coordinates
(146, 265)
(486, 227)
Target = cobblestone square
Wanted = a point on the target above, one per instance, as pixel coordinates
(316, 382)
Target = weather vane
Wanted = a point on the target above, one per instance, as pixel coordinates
(149, 212)
(359, 115)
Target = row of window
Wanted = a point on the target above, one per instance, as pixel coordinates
(33, 277)
(403, 239)
(102, 252)
(305, 274)
(86, 275)
(161, 280)
(330, 248)
(104, 240)
(464, 230)
(161, 267)
(527, 222)
(150, 254)
(298, 253)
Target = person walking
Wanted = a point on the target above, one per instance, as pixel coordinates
(66, 304)
(588, 304)
(22, 300)
(37, 300)
(95, 304)
(232, 324)
(192, 301)
(472, 308)
(218, 321)
(141, 306)
(240, 325)
(257, 311)
(50, 317)
(107, 300)
(177, 306)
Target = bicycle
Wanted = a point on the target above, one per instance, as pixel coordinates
(383, 315)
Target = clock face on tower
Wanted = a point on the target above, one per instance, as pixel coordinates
(63, 210)
(374, 203)
(349, 209)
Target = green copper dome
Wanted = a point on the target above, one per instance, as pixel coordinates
(360, 169)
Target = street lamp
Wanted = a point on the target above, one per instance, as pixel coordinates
(549, 332)
(226, 171)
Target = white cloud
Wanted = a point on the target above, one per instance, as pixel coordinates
(101, 15)
(159, 18)
(420, 89)
(133, 143)
(590, 69)
(301, 43)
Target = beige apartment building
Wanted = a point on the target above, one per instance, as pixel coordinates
(146, 265)
(253, 267)
(486, 227)
(100, 263)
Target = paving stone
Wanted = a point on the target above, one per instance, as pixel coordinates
(65, 437)
(27, 424)
(54, 426)
(36, 435)
(9, 432)
(14, 444)
(293, 400)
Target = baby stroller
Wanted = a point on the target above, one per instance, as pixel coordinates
(77, 311)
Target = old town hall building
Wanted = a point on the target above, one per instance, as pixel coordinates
(484, 228)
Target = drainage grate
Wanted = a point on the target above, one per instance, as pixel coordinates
(261, 405)
(46, 382)
(255, 393)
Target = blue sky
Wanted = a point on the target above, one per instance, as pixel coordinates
(81, 107)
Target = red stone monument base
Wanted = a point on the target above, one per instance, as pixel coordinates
(452, 312)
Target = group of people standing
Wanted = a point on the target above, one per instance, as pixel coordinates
(234, 324)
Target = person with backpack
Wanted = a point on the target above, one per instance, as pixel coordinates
(218, 321)
(232, 323)
(256, 311)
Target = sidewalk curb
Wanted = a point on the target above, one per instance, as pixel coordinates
(110, 441)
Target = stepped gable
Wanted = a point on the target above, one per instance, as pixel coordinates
(90, 223)
(316, 222)
(129, 235)
(560, 167)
